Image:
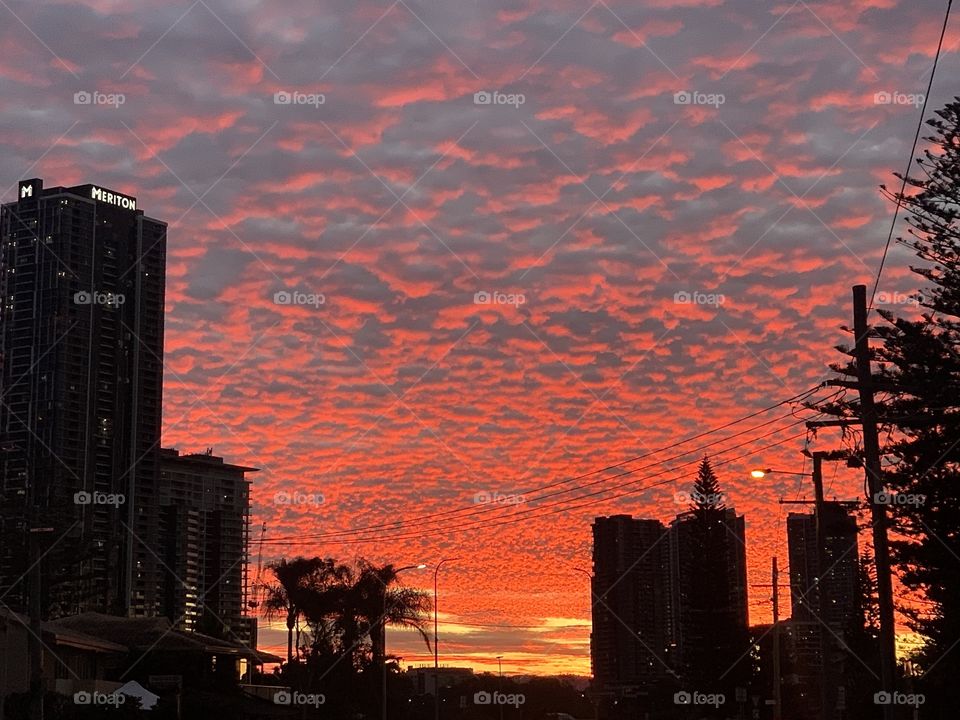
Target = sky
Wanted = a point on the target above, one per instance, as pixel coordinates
(427, 257)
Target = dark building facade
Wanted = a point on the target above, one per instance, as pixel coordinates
(842, 610)
(82, 274)
(647, 624)
(630, 642)
(204, 530)
(727, 596)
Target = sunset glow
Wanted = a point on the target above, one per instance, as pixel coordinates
(437, 269)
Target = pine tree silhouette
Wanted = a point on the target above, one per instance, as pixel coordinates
(714, 642)
(706, 490)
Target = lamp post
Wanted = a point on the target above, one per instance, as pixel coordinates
(593, 703)
(383, 641)
(500, 682)
(436, 639)
(817, 476)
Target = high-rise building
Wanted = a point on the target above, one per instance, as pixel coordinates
(663, 607)
(709, 620)
(629, 643)
(205, 520)
(842, 610)
(840, 583)
(81, 344)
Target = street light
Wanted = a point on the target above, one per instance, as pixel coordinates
(436, 640)
(383, 638)
(500, 682)
(761, 473)
(817, 475)
(589, 575)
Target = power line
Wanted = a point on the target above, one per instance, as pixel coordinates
(375, 532)
(425, 520)
(473, 510)
(913, 150)
(521, 516)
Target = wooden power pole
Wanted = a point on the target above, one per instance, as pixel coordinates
(878, 510)
(777, 699)
(822, 588)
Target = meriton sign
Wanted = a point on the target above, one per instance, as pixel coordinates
(112, 198)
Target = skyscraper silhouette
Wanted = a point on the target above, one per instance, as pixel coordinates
(839, 583)
(630, 641)
(81, 344)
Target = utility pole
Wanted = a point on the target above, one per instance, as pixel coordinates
(383, 638)
(383, 660)
(821, 542)
(826, 689)
(436, 638)
(777, 700)
(825, 709)
(878, 510)
(500, 682)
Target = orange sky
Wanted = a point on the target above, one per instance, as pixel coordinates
(490, 297)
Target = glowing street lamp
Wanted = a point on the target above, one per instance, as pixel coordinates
(383, 630)
(763, 473)
(817, 475)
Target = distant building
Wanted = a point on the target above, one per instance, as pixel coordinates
(727, 629)
(647, 626)
(204, 532)
(630, 644)
(81, 344)
(843, 610)
(425, 678)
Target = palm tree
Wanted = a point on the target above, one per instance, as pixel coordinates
(363, 611)
(409, 608)
(286, 597)
(322, 600)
